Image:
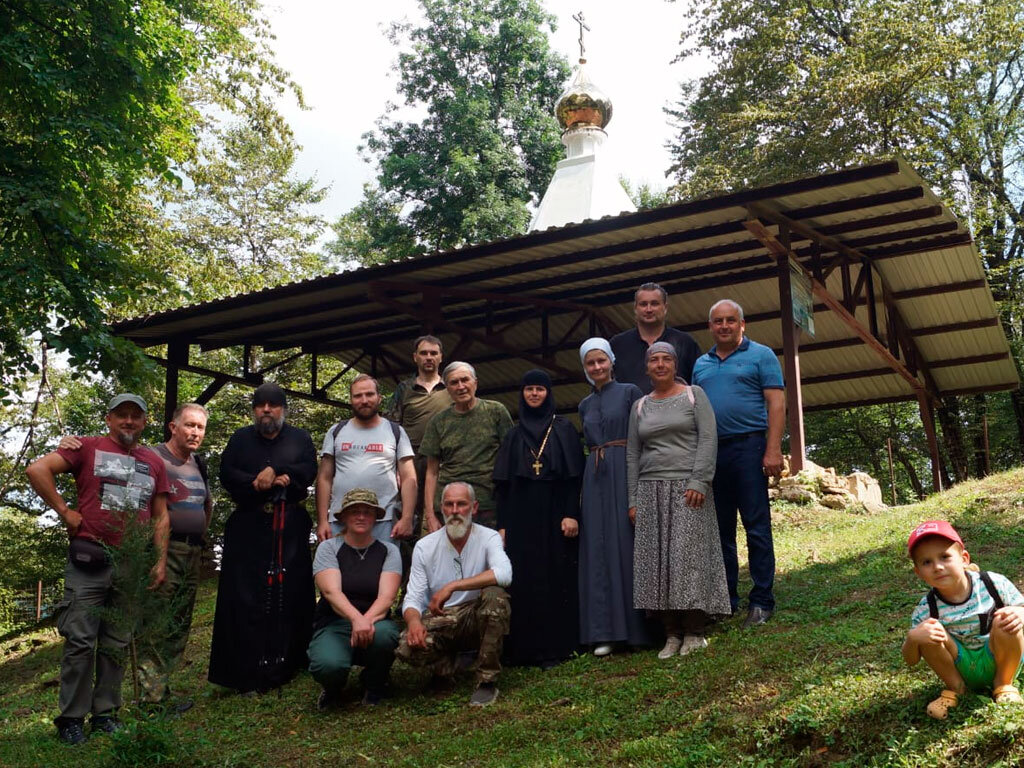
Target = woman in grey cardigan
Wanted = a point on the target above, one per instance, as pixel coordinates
(670, 461)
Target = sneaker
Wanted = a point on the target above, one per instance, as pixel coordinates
(693, 643)
(603, 650)
(484, 695)
(672, 645)
(70, 731)
(105, 724)
(757, 616)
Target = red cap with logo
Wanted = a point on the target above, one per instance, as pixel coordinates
(932, 528)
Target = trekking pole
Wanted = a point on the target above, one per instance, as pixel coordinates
(280, 505)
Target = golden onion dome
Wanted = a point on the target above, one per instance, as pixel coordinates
(582, 103)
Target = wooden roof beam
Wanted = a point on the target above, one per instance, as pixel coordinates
(760, 231)
(379, 296)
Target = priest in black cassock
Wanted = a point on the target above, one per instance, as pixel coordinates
(265, 599)
(537, 476)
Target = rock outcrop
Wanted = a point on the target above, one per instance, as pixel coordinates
(821, 485)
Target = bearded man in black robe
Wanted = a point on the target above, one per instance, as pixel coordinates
(265, 600)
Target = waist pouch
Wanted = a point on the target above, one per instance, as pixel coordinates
(88, 555)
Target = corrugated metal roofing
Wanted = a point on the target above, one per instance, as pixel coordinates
(923, 262)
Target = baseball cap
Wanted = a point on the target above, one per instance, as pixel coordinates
(360, 497)
(932, 528)
(126, 397)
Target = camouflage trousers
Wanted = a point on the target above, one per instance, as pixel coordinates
(480, 625)
(163, 638)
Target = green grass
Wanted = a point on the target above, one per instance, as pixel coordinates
(822, 684)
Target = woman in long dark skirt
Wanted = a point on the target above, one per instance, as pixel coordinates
(607, 615)
(537, 477)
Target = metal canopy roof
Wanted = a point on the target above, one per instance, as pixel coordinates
(903, 307)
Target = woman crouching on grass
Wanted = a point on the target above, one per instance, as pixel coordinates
(358, 578)
(671, 449)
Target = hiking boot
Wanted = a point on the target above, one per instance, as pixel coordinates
(328, 700)
(484, 695)
(105, 724)
(70, 731)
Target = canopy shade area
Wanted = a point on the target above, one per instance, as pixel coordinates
(902, 310)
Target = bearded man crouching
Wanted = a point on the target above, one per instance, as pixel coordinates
(456, 600)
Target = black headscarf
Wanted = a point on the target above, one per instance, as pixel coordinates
(563, 454)
(535, 421)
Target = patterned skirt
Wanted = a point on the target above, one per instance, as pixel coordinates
(677, 555)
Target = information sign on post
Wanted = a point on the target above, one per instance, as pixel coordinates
(802, 296)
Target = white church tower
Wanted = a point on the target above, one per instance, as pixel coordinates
(584, 186)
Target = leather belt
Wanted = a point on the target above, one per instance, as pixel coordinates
(192, 539)
(597, 451)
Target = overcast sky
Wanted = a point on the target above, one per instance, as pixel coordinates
(338, 54)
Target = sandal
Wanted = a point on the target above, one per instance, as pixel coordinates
(1007, 694)
(940, 707)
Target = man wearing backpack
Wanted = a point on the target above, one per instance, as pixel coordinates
(367, 451)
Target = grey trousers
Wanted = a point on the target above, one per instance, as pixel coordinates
(93, 645)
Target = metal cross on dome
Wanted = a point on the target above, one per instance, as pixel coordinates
(578, 18)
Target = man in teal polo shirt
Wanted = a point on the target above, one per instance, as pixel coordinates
(743, 381)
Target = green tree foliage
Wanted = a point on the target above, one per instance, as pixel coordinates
(804, 86)
(486, 78)
(243, 221)
(96, 100)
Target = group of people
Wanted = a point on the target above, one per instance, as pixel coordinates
(609, 548)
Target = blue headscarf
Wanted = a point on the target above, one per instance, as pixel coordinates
(590, 345)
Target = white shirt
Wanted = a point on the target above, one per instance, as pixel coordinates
(366, 458)
(435, 562)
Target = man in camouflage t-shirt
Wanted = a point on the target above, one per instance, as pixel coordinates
(461, 443)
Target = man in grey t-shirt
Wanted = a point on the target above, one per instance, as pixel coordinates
(365, 453)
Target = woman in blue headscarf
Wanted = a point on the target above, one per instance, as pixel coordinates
(607, 616)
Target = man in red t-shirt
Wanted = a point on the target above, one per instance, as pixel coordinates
(118, 482)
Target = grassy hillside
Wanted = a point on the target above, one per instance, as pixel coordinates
(821, 684)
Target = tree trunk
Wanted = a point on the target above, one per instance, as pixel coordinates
(948, 414)
(910, 469)
(979, 409)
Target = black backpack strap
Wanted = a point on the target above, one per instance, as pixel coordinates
(204, 470)
(396, 430)
(993, 592)
(338, 427)
(933, 606)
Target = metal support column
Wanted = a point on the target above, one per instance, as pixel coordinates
(177, 356)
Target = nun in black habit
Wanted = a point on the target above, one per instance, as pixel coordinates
(265, 597)
(537, 476)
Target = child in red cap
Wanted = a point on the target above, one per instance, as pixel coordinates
(968, 628)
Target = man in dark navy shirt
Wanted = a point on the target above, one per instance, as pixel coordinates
(650, 303)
